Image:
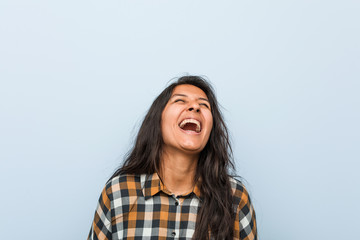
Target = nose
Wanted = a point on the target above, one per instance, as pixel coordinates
(194, 107)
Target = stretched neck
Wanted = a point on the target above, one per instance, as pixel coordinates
(178, 171)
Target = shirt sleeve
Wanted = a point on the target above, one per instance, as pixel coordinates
(101, 225)
(246, 218)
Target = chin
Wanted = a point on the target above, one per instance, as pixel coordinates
(192, 149)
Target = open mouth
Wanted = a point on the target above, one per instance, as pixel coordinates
(190, 125)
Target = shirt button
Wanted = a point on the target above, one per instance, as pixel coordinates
(173, 234)
(176, 203)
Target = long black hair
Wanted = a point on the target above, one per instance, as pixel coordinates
(216, 212)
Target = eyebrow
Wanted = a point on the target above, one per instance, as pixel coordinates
(183, 95)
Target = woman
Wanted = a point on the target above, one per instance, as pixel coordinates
(175, 182)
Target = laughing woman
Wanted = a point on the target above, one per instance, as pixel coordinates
(175, 182)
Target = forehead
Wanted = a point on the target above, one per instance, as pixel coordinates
(189, 90)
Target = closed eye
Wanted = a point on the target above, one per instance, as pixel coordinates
(179, 100)
(204, 104)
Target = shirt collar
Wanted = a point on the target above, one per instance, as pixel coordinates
(152, 184)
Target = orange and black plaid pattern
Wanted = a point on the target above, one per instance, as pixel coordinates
(140, 207)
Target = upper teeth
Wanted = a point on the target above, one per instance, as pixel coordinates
(198, 128)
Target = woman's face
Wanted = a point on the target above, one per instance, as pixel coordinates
(186, 120)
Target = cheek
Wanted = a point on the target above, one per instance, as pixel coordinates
(165, 124)
(168, 119)
(210, 121)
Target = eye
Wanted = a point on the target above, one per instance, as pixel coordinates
(179, 100)
(204, 104)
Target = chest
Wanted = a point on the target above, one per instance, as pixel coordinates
(159, 217)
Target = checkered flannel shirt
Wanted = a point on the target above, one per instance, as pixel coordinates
(140, 207)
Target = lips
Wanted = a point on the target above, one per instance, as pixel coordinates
(190, 124)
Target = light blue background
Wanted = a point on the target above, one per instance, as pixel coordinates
(78, 76)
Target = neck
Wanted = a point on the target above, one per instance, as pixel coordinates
(178, 171)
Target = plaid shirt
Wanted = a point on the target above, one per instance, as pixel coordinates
(140, 207)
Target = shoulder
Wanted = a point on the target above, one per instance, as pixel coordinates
(239, 192)
(123, 185)
(237, 186)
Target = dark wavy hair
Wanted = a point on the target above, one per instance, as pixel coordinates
(216, 212)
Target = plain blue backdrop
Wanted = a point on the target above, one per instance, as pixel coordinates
(77, 77)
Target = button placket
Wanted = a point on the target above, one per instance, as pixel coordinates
(175, 231)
